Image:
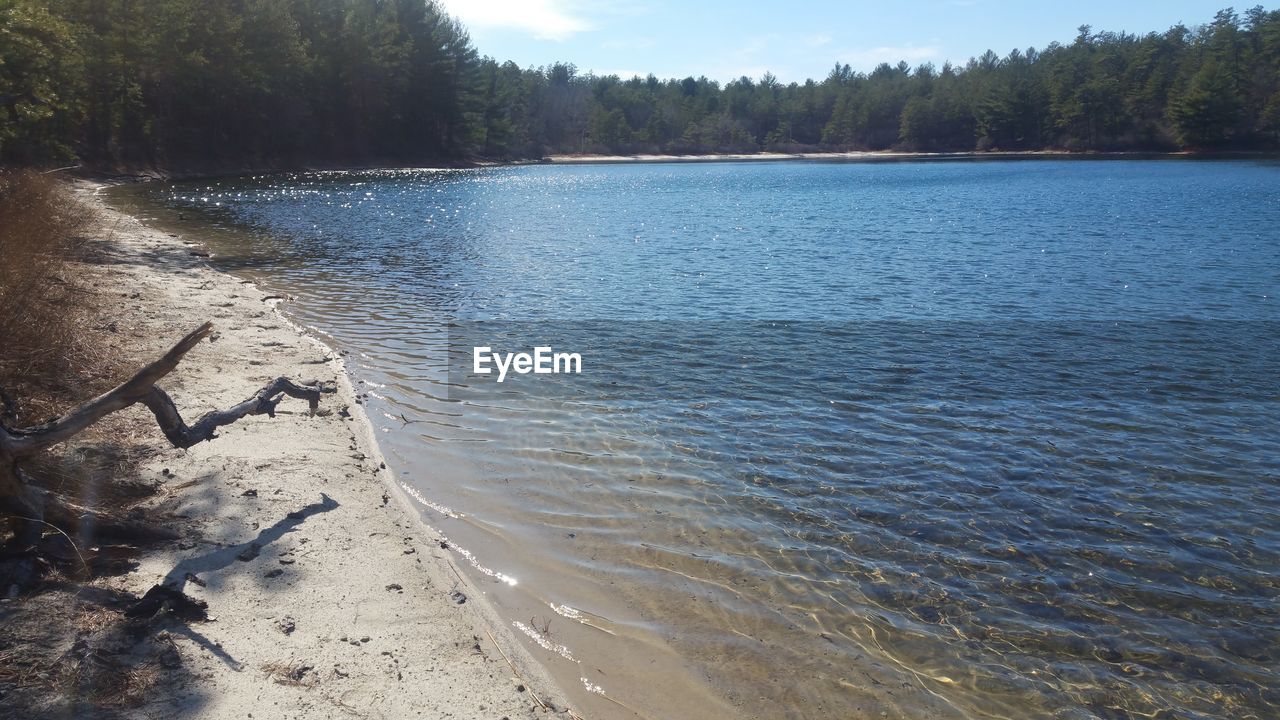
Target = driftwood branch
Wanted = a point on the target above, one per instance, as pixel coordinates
(16, 444)
(23, 442)
(263, 402)
(24, 499)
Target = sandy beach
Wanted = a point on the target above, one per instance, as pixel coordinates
(852, 155)
(328, 597)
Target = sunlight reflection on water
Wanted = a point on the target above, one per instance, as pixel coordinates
(951, 512)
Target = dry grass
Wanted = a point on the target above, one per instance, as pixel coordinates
(73, 659)
(50, 358)
(128, 687)
(56, 350)
(290, 673)
(59, 647)
(53, 355)
(43, 345)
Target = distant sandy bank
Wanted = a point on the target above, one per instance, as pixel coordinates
(838, 156)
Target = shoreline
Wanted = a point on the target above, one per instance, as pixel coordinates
(857, 156)
(579, 650)
(101, 176)
(357, 308)
(352, 605)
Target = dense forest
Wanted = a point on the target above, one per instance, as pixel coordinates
(191, 84)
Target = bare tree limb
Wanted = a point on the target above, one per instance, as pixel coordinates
(23, 442)
(263, 402)
(23, 498)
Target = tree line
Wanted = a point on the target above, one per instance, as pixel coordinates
(191, 84)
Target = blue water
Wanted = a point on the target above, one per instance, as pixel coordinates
(927, 439)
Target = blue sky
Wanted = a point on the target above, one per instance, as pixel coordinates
(794, 40)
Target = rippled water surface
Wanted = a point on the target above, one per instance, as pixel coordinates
(912, 439)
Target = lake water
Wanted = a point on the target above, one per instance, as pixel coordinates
(909, 439)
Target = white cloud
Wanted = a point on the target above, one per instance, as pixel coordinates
(622, 74)
(545, 19)
(871, 57)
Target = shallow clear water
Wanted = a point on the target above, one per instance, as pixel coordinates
(927, 439)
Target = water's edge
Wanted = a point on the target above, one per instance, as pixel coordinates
(1009, 496)
(602, 663)
(526, 667)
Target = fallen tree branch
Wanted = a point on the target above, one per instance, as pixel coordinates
(20, 496)
(263, 402)
(23, 442)
(18, 443)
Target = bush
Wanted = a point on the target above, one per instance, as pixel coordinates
(42, 346)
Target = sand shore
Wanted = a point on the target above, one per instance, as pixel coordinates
(728, 157)
(348, 606)
(853, 155)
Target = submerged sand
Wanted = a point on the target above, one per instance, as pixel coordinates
(347, 606)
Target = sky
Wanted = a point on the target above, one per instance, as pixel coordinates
(793, 39)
